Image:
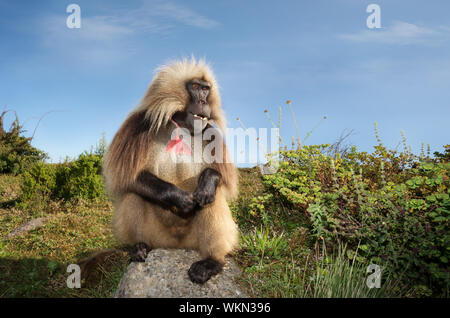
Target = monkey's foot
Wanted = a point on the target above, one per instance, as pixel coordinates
(139, 252)
(203, 270)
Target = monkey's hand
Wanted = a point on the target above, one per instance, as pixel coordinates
(204, 197)
(183, 204)
(205, 193)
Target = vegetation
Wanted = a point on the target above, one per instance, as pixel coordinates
(16, 151)
(78, 179)
(394, 215)
(388, 207)
(34, 264)
(309, 230)
(70, 198)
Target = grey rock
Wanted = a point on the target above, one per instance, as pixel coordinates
(164, 274)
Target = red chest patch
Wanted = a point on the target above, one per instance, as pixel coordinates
(177, 145)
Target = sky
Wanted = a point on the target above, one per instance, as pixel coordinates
(319, 54)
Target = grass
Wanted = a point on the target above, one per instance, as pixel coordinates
(338, 276)
(275, 243)
(34, 263)
(278, 255)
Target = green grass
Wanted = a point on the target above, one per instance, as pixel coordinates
(275, 243)
(277, 255)
(34, 263)
(341, 276)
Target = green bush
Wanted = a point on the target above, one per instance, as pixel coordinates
(16, 152)
(39, 181)
(80, 178)
(394, 204)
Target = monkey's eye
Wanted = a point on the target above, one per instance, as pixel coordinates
(205, 88)
(195, 86)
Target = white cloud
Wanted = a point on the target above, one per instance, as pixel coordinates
(95, 42)
(108, 37)
(183, 15)
(97, 28)
(399, 32)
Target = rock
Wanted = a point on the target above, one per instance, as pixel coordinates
(164, 274)
(25, 228)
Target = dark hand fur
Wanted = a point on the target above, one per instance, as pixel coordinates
(139, 252)
(205, 192)
(203, 270)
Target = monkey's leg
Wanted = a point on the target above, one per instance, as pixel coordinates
(138, 221)
(204, 194)
(217, 235)
(129, 216)
(164, 194)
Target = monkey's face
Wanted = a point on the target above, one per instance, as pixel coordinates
(198, 111)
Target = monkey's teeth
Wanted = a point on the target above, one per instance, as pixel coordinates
(201, 117)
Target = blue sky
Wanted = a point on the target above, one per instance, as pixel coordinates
(319, 54)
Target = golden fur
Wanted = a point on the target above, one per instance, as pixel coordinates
(140, 145)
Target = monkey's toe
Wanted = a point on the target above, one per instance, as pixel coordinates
(203, 270)
(139, 252)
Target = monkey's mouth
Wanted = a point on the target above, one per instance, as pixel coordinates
(200, 116)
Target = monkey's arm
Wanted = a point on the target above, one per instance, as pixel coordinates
(205, 192)
(165, 194)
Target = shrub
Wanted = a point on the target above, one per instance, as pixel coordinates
(39, 181)
(16, 152)
(394, 204)
(80, 178)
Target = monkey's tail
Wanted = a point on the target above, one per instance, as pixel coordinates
(98, 260)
